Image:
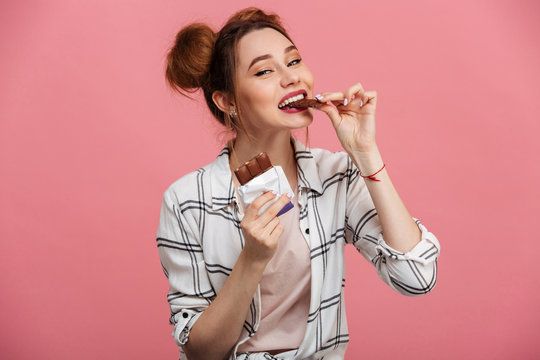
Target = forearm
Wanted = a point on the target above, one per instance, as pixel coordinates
(399, 229)
(217, 330)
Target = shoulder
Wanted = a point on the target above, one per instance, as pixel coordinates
(189, 185)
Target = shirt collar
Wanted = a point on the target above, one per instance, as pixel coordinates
(221, 176)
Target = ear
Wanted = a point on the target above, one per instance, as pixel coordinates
(223, 101)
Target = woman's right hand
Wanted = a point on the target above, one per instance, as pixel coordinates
(262, 232)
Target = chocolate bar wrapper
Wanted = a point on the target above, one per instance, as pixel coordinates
(272, 179)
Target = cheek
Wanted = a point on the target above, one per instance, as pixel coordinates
(261, 97)
(257, 92)
(309, 77)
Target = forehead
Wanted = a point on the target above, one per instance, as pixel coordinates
(260, 42)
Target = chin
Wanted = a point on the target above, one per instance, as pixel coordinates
(308, 118)
(298, 120)
(308, 121)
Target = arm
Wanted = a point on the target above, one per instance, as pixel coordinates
(190, 291)
(405, 257)
(400, 230)
(217, 330)
(207, 326)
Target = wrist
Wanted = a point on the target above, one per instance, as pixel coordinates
(367, 162)
(251, 264)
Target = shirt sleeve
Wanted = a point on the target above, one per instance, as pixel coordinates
(412, 273)
(190, 291)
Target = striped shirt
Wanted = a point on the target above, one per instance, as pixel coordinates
(199, 240)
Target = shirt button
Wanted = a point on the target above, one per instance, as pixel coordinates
(307, 231)
(185, 315)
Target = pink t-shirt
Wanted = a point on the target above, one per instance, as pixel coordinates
(285, 290)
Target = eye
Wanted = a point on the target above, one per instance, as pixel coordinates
(262, 72)
(298, 61)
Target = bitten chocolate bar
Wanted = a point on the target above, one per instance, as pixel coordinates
(253, 167)
(306, 103)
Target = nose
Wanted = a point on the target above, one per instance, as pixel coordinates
(289, 76)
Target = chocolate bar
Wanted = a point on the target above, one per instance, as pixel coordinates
(305, 103)
(253, 167)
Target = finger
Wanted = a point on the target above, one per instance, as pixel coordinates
(271, 226)
(277, 232)
(272, 210)
(357, 101)
(339, 102)
(332, 113)
(370, 97)
(329, 96)
(355, 91)
(253, 209)
(337, 98)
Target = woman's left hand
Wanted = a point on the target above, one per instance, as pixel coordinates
(354, 122)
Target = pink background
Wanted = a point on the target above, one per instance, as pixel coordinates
(90, 138)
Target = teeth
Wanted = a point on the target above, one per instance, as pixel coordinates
(290, 100)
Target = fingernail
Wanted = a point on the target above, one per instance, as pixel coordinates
(361, 102)
(319, 96)
(345, 102)
(274, 192)
(290, 194)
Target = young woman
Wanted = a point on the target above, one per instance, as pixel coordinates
(249, 286)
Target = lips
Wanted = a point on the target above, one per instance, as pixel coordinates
(291, 94)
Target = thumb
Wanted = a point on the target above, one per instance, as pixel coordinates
(332, 113)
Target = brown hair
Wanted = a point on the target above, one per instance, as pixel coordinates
(203, 59)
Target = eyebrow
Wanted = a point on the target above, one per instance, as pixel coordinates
(268, 56)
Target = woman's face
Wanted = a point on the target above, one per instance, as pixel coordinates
(270, 68)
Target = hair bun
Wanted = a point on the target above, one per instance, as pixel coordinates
(254, 14)
(188, 61)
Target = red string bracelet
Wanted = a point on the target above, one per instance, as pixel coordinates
(372, 176)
